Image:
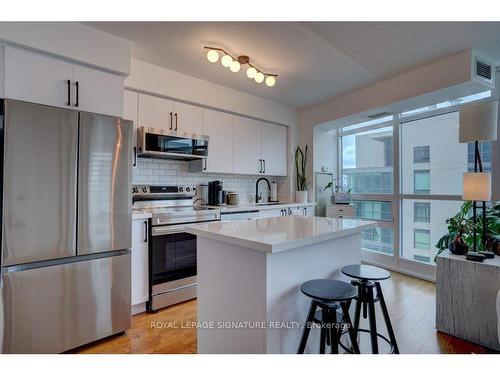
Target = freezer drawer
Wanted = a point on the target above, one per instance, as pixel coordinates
(39, 184)
(57, 308)
(104, 184)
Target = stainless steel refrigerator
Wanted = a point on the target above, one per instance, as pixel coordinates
(66, 227)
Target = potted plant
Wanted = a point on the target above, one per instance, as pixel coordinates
(300, 174)
(459, 237)
(342, 191)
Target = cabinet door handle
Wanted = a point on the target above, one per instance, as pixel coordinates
(69, 92)
(135, 156)
(264, 170)
(77, 93)
(145, 231)
(176, 121)
(305, 211)
(260, 160)
(205, 166)
(171, 121)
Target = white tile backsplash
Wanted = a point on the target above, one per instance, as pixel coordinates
(174, 172)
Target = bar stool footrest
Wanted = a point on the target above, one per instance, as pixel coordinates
(348, 350)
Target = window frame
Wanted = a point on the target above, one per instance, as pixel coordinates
(397, 261)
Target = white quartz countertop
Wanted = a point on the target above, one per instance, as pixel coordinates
(280, 233)
(259, 207)
(139, 214)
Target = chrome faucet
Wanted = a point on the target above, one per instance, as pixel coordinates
(258, 196)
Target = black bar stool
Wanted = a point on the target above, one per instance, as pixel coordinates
(330, 296)
(367, 279)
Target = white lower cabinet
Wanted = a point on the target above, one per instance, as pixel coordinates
(272, 213)
(140, 243)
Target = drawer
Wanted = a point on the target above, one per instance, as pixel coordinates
(340, 210)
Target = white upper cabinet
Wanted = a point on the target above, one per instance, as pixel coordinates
(274, 149)
(130, 112)
(247, 145)
(97, 91)
(168, 115)
(156, 112)
(218, 126)
(37, 78)
(188, 118)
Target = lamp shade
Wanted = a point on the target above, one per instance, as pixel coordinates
(478, 122)
(477, 186)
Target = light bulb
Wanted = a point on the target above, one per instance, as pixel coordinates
(259, 77)
(235, 66)
(226, 61)
(212, 56)
(251, 72)
(270, 81)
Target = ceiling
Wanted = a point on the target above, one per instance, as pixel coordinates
(315, 60)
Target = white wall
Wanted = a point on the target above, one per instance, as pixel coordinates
(71, 40)
(325, 150)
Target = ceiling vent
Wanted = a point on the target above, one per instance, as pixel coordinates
(379, 115)
(483, 70)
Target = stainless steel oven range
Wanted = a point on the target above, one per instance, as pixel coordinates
(172, 251)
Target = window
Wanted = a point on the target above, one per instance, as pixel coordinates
(421, 154)
(378, 240)
(419, 208)
(373, 210)
(485, 150)
(422, 182)
(388, 151)
(449, 103)
(430, 216)
(421, 212)
(422, 239)
(367, 162)
(449, 157)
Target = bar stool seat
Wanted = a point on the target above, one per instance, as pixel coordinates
(370, 292)
(328, 290)
(366, 272)
(333, 297)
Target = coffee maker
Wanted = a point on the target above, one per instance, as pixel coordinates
(215, 193)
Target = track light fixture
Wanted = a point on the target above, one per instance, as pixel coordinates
(234, 64)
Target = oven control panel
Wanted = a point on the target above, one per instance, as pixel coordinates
(163, 189)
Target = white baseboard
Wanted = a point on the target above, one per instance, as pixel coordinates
(139, 308)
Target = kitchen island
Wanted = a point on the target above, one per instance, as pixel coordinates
(249, 276)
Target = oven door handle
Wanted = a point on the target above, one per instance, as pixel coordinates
(171, 229)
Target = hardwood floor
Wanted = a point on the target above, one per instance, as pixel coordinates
(411, 304)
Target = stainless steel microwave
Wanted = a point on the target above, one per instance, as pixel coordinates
(170, 144)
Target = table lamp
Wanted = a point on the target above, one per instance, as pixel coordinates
(477, 187)
(478, 122)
